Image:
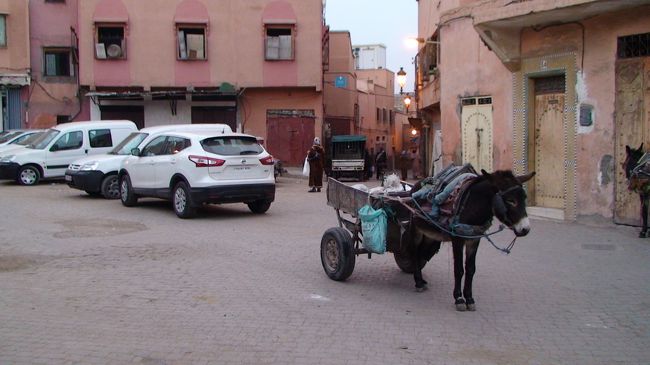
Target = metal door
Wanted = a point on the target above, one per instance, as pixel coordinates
(476, 119)
(289, 138)
(632, 129)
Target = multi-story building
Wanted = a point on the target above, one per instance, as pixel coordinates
(554, 87)
(15, 76)
(54, 96)
(376, 110)
(340, 98)
(255, 65)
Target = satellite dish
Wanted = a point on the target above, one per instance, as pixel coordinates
(114, 51)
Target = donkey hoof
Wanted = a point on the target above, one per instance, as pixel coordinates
(644, 234)
(461, 306)
(422, 288)
(471, 307)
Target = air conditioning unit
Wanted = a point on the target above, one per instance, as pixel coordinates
(114, 51)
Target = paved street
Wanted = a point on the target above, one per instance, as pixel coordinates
(87, 281)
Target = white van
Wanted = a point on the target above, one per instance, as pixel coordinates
(98, 174)
(50, 154)
(20, 142)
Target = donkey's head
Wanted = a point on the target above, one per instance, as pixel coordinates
(509, 202)
(632, 157)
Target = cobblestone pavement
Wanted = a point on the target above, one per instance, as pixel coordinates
(87, 281)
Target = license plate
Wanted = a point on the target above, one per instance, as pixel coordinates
(68, 178)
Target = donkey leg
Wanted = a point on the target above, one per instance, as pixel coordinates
(644, 215)
(470, 268)
(420, 283)
(457, 246)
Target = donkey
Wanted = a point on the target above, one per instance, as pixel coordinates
(638, 181)
(499, 194)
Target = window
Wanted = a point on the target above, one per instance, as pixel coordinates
(279, 42)
(637, 45)
(176, 145)
(155, 147)
(100, 138)
(378, 115)
(3, 30)
(68, 141)
(232, 146)
(191, 43)
(110, 42)
(57, 62)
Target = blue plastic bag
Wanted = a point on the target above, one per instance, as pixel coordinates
(373, 227)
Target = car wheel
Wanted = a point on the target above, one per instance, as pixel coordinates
(259, 206)
(182, 201)
(110, 187)
(128, 198)
(28, 175)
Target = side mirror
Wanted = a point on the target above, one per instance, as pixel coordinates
(135, 151)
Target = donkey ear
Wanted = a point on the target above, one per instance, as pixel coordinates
(640, 147)
(627, 149)
(523, 178)
(483, 172)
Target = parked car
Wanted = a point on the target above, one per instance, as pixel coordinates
(50, 154)
(16, 136)
(98, 174)
(19, 143)
(195, 168)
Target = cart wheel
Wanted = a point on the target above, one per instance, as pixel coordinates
(404, 262)
(337, 253)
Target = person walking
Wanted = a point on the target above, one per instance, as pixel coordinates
(367, 157)
(380, 163)
(316, 159)
(404, 162)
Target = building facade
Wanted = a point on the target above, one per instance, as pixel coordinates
(254, 65)
(15, 74)
(556, 88)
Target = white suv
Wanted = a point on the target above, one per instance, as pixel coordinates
(199, 167)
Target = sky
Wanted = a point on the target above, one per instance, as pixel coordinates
(389, 22)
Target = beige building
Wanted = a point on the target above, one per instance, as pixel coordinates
(553, 87)
(15, 76)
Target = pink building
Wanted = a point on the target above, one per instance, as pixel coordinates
(376, 110)
(255, 65)
(555, 87)
(54, 96)
(14, 62)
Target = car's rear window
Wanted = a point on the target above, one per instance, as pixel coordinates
(232, 145)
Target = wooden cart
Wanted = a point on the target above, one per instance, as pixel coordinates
(340, 245)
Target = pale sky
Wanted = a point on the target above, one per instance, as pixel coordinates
(388, 22)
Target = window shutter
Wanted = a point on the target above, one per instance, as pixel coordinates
(272, 48)
(285, 47)
(182, 48)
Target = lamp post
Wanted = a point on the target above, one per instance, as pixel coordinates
(401, 79)
(407, 102)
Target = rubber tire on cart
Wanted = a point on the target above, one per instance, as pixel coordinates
(28, 175)
(404, 263)
(337, 253)
(182, 201)
(259, 206)
(110, 187)
(128, 198)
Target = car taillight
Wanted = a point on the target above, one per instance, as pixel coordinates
(202, 161)
(267, 160)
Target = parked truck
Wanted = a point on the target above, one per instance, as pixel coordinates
(348, 156)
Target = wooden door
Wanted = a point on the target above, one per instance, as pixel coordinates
(549, 151)
(215, 114)
(632, 128)
(476, 119)
(289, 138)
(134, 113)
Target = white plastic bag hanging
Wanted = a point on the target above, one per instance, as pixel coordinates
(305, 168)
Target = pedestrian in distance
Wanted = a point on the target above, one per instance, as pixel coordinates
(380, 163)
(316, 159)
(404, 162)
(367, 164)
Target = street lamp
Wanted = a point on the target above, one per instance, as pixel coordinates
(407, 102)
(401, 79)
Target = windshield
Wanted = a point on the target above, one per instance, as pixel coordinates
(232, 146)
(29, 139)
(132, 141)
(9, 136)
(44, 139)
